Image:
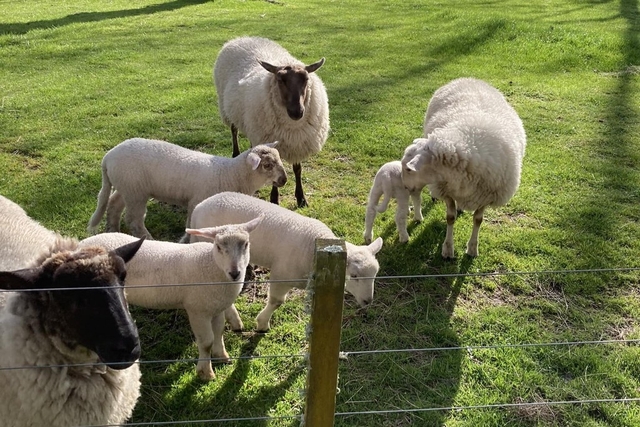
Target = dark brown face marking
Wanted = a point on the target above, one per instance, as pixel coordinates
(292, 84)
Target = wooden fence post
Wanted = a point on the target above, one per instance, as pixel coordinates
(325, 329)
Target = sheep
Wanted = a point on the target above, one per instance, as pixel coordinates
(166, 263)
(388, 182)
(285, 242)
(142, 168)
(88, 331)
(471, 154)
(268, 95)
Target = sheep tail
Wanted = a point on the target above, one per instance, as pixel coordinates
(103, 199)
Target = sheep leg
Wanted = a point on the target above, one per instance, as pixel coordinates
(134, 217)
(186, 237)
(217, 349)
(232, 316)
(472, 244)
(277, 296)
(234, 137)
(370, 215)
(201, 325)
(297, 171)
(115, 207)
(275, 195)
(447, 246)
(402, 212)
(416, 201)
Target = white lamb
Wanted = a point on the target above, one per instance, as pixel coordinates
(167, 263)
(471, 155)
(139, 169)
(269, 95)
(90, 331)
(388, 183)
(285, 243)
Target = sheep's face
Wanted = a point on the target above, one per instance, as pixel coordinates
(95, 316)
(269, 163)
(292, 85)
(231, 246)
(362, 268)
(413, 162)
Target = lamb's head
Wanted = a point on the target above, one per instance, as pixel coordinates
(265, 158)
(231, 246)
(292, 85)
(92, 318)
(362, 268)
(415, 159)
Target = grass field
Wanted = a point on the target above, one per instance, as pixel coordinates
(76, 78)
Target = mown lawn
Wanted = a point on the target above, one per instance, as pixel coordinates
(76, 78)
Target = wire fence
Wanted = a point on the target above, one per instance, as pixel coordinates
(345, 354)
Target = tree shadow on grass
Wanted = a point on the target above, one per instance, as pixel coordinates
(407, 313)
(84, 17)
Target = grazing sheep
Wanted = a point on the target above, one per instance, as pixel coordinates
(285, 242)
(471, 155)
(89, 327)
(142, 168)
(269, 95)
(166, 263)
(388, 182)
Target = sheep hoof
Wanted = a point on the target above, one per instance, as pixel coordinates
(206, 375)
(262, 331)
(302, 203)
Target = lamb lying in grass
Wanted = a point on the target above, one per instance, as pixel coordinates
(90, 330)
(471, 155)
(139, 169)
(388, 183)
(285, 243)
(167, 263)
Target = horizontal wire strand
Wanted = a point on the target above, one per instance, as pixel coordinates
(489, 406)
(416, 276)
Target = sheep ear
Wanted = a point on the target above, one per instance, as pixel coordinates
(126, 252)
(273, 144)
(412, 164)
(251, 225)
(208, 232)
(375, 246)
(270, 68)
(253, 160)
(19, 279)
(314, 67)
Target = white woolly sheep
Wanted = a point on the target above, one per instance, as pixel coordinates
(471, 155)
(90, 329)
(167, 263)
(388, 183)
(269, 95)
(139, 169)
(285, 243)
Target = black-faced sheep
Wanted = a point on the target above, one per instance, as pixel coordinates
(471, 155)
(139, 169)
(269, 95)
(43, 332)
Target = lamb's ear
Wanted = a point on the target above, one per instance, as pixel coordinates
(251, 225)
(314, 67)
(413, 164)
(270, 68)
(19, 279)
(253, 160)
(273, 144)
(375, 246)
(126, 252)
(208, 232)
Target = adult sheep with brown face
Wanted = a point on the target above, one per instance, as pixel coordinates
(267, 94)
(66, 355)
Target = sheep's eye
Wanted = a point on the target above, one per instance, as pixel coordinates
(246, 245)
(218, 248)
(267, 166)
(122, 276)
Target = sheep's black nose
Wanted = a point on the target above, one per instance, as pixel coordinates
(234, 274)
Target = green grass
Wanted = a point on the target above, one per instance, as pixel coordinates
(76, 78)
